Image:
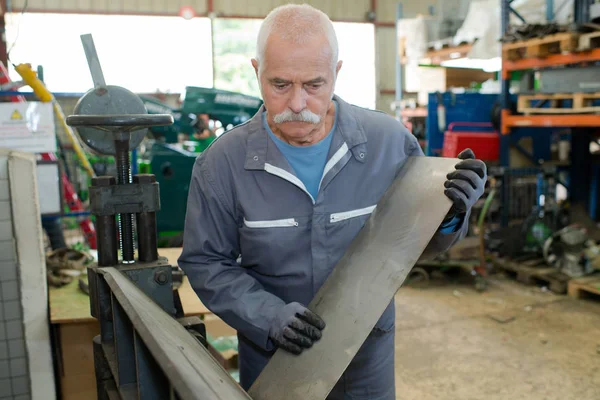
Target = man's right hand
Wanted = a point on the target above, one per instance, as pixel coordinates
(295, 328)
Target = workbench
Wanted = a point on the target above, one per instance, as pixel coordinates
(73, 329)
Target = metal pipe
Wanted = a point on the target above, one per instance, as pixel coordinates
(106, 229)
(504, 94)
(399, 83)
(147, 243)
(146, 226)
(549, 10)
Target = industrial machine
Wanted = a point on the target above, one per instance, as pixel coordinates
(571, 251)
(132, 294)
(171, 160)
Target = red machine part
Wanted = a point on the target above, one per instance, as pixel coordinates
(71, 197)
(484, 143)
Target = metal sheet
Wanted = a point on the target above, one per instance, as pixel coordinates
(190, 368)
(363, 282)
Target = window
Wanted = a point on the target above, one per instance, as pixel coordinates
(235, 45)
(143, 54)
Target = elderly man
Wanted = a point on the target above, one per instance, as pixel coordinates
(274, 203)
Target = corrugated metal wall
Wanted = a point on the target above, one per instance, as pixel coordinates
(336, 9)
(339, 10)
(160, 7)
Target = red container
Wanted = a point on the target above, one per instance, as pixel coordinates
(485, 143)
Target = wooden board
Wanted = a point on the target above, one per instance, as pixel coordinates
(541, 47)
(190, 302)
(363, 283)
(581, 287)
(581, 103)
(556, 281)
(68, 304)
(589, 41)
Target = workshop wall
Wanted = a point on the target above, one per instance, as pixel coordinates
(339, 10)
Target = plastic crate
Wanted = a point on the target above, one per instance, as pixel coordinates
(484, 143)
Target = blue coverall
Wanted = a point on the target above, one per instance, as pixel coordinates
(255, 239)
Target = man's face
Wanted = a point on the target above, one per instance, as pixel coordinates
(297, 84)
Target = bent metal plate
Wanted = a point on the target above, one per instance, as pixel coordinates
(363, 282)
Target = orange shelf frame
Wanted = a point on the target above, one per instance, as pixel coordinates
(549, 61)
(548, 121)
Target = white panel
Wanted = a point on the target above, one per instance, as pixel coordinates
(27, 126)
(32, 265)
(3, 167)
(48, 178)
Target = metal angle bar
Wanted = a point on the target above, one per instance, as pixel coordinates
(189, 367)
(363, 283)
(93, 61)
(512, 10)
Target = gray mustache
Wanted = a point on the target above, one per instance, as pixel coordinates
(290, 116)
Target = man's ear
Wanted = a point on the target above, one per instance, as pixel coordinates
(338, 67)
(255, 65)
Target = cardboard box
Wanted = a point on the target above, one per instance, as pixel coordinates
(425, 80)
(216, 327)
(228, 358)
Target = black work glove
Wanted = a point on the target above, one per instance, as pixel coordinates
(466, 184)
(295, 328)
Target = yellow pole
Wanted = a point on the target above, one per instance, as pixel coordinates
(30, 77)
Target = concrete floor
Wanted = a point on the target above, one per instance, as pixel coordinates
(449, 346)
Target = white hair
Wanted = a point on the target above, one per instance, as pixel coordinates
(298, 24)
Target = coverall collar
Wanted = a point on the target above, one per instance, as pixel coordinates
(261, 150)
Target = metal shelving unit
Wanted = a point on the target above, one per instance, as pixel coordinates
(583, 126)
(510, 121)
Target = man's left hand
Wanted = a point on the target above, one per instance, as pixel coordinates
(465, 185)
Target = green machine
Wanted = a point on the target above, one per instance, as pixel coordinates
(171, 159)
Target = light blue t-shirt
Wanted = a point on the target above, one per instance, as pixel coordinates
(308, 162)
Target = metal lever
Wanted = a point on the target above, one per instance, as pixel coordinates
(93, 62)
